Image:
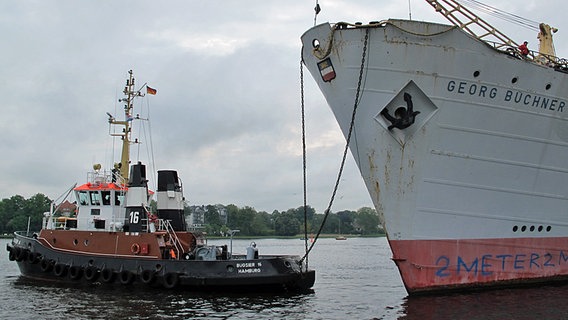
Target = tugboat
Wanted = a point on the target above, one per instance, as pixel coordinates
(115, 238)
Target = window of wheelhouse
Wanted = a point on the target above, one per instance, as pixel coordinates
(118, 198)
(106, 198)
(83, 198)
(95, 198)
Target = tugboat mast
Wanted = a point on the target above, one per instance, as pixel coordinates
(130, 93)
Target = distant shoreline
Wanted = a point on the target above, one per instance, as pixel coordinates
(299, 236)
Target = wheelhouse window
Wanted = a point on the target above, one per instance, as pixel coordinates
(118, 198)
(95, 198)
(83, 198)
(106, 198)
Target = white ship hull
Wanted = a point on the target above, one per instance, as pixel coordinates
(473, 192)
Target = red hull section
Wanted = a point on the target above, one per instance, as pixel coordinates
(432, 265)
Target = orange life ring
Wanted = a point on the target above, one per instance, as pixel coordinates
(135, 248)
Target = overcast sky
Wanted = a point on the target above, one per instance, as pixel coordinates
(227, 111)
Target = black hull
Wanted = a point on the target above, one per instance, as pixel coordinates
(267, 273)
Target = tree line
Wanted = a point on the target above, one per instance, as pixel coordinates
(250, 222)
(16, 212)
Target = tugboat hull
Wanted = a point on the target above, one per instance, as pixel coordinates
(111, 234)
(267, 273)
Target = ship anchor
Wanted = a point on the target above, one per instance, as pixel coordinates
(403, 117)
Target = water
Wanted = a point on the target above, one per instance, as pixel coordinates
(355, 280)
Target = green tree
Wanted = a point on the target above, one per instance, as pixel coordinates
(261, 224)
(243, 220)
(15, 212)
(367, 221)
(232, 216)
(309, 213)
(286, 224)
(10, 208)
(154, 207)
(345, 224)
(36, 206)
(212, 220)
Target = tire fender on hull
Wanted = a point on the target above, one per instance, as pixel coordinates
(171, 280)
(12, 255)
(46, 265)
(21, 254)
(107, 275)
(75, 272)
(33, 257)
(148, 276)
(60, 269)
(91, 273)
(126, 277)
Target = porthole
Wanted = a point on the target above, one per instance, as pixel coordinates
(514, 80)
(315, 43)
(524, 228)
(548, 86)
(532, 228)
(75, 242)
(515, 228)
(476, 74)
(540, 228)
(548, 228)
(86, 242)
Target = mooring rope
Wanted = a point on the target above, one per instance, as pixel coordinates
(346, 149)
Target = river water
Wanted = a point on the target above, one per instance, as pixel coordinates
(355, 279)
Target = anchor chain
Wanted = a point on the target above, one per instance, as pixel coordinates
(351, 126)
(304, 160)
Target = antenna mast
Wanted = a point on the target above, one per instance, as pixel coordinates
(130, 93)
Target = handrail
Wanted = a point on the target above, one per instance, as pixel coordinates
(466, 19)
(167, 226)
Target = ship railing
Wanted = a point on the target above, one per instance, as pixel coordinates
(196, 227)
(60, 223)
(120, 180)
(151, 221)
(173, 237)
(99, 177)
(560, 64)
(106, 176)
(154, 224)
(162, 225)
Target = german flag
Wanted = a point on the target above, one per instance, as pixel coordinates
(151, 90)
